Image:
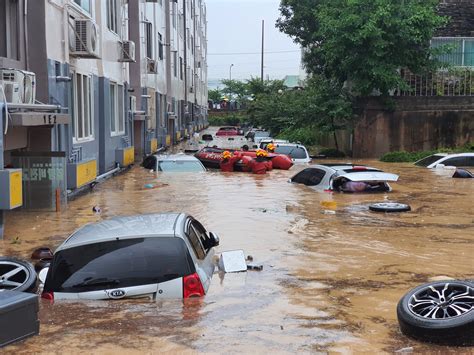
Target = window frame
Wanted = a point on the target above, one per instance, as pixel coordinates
(160, 46)
(113, 16)
(81, 7)
(117, 108)
(91, 118)
(148, 40)
(196, 244)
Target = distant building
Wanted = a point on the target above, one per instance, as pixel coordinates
(293, 82)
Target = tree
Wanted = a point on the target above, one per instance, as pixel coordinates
(363, 43)
(215, 95)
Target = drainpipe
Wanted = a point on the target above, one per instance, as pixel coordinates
(25, 19)
(2, 213)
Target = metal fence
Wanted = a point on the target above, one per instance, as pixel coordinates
(453, 82)
(459, 50)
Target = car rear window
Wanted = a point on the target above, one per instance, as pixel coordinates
(180, 166)
(292, 151)
(309, 177)
(428, 160)
(119, 263)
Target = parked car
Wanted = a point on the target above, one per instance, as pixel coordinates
(345, 178)
(265, 142)
(158, 255)
(256, 135)
(296, 152)
(441, 160)
(175, 163)
(228, 131)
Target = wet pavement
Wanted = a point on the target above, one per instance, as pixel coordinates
(330, 283)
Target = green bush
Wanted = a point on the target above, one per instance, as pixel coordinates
(332, 153)
(404, 157)
(306, 136)
(407, 157)
(227, 120)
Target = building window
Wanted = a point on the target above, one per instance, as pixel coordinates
(174, 13)
(181, 68)
(192, 44)
(83, 108)
(175, 64)
(149, 39)
(117, 115)
(160, 46)
(112, 16)
(9, 13)
(84, 4)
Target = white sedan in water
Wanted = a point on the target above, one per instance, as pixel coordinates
(441, 160)
(345, 178)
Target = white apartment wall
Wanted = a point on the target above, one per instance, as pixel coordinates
(58, 29)
(155, 14)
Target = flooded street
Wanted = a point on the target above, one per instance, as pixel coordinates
(330, 281)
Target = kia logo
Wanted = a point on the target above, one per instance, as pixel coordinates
(117, 294)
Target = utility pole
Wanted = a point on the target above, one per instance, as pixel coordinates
(263, 49)
(230, 71)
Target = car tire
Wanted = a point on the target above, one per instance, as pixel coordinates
(439, 312)
(389, 207)
(23, 280)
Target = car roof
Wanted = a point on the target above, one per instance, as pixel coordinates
(445, 155)
(283, 144)
(150, 225)
(346, 167)
(175, 157)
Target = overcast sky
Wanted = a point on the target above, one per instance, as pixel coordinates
(234, 26)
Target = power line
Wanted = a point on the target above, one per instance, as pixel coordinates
(251, 53)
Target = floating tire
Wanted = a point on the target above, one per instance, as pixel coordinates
(439, 312)
(389, 207)
(16, 275)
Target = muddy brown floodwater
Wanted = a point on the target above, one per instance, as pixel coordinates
(330, 283)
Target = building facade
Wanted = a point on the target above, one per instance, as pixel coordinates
(113, 80)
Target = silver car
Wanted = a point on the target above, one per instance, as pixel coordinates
(157, 256)
(173, 163)
(345, 178)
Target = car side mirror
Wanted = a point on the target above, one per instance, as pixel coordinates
(42, 275)
(215, 240)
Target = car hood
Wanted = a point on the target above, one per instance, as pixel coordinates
(374, 176)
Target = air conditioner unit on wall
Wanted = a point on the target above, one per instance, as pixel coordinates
(20, 85)
(152, 66)
(127, 51)
(84, 39)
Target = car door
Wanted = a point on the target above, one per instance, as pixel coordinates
(203, 251)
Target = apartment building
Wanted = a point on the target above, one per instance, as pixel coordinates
(109, 81)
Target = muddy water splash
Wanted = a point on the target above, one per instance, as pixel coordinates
(331, 280)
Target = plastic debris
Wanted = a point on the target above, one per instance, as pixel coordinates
(254, 267)
(232, 261)
(149, 186)
(96, 209)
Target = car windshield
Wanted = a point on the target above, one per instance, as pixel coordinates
(261, 134)
(292, 151)
(119, 263)
(180, 166)
(428, 160)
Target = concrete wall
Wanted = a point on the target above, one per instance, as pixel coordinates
(417, 123)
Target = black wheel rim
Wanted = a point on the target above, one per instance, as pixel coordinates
(12, 275)
(442, 301)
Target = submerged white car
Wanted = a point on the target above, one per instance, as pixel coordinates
(442, 160)
(173, 163)
(297, 152)
(156, 256)
(345, 178)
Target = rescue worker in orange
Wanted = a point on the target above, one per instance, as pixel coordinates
(270, 148)
(260, 165)
(228, 161)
